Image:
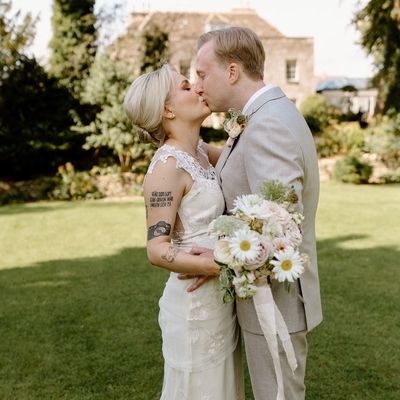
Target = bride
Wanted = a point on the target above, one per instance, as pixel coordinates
(182, 196)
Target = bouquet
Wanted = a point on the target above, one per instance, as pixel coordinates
(259, 242)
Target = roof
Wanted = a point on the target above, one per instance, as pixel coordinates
(192, 24)
(341, 83)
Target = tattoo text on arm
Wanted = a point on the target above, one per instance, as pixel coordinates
(161, 199)
(170, 255)
(161, 228)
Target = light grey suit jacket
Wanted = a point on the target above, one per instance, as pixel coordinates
(277, 144)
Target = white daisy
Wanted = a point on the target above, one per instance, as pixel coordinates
(245, 245)
(248, 204)
(288, 265)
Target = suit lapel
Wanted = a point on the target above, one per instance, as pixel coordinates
(229, 145)
(271, 94)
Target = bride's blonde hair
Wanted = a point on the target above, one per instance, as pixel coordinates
(144, 103)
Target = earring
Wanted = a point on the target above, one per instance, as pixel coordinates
(172, 115)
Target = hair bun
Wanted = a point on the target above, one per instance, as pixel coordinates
(144, 135)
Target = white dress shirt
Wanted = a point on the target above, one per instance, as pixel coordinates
(253, 98)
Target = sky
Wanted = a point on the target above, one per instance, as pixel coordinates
(336, 52)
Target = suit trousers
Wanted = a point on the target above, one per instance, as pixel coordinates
(261, 367)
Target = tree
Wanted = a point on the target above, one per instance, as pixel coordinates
(34, 110)
(111, 129)
(155, 52)
(73, 43)
(15, 37)
(379, 24)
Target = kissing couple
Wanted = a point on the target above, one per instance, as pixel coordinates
(189, 183)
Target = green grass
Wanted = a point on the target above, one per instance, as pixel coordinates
(79, 302)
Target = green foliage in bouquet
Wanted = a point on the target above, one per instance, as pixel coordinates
(277, 191)
(226, 278)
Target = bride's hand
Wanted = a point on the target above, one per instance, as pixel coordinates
(200, 279)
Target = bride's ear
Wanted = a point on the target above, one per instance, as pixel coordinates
(233, 73)
(168, 113)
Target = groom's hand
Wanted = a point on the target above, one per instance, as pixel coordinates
(200, 279)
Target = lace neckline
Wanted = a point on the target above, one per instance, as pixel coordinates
(185, 161)
(199, 149)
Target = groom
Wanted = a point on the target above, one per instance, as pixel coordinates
(276, 144)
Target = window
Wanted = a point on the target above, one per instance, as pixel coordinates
(213, 26)
(291, 71)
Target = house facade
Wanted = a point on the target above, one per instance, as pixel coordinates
(289, 61)
(356, 95)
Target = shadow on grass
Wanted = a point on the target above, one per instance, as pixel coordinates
(81, 329)
(87, 328)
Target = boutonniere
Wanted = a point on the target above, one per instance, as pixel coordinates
(235, 123)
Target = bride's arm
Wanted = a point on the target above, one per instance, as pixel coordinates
(163, 192)
(213, 153)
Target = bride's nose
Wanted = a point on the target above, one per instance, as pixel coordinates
(198, 89)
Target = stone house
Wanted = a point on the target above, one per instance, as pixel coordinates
(356, 95)
(289, 61)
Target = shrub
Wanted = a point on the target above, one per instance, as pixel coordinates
(384, 140)
(209, 134)
(330, 141)
(350, 169)
(75, 185)
(343, 138)
(318, 113)
(353, 137)
(391, 177)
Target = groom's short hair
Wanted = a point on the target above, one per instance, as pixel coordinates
(237, 44)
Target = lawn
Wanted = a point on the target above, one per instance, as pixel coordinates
(78, 300)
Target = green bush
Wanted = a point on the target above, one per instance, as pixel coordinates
(391, 177)
(329, 142)
(318, 113)
(75, 185)
(353, 137)
(350, 169)
(344, 138)
(384, 140)
(209, 134)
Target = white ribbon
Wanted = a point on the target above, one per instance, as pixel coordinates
(273, 325)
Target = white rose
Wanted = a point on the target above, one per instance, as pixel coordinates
(222, 252)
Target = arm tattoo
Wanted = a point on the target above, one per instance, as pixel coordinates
(170, 254)
(161, 228)
(161, 199)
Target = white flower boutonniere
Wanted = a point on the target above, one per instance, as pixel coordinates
(236, 123)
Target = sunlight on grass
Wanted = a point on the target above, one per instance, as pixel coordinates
(369, 213)
(38, 232)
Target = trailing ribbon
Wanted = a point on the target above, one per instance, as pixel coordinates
(273, 325)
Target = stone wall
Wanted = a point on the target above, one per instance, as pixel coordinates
(278, 51)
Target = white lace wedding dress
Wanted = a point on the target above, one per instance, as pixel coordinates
(199, 331)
